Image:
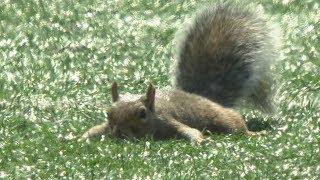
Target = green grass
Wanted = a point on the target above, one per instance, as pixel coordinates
(57, 62)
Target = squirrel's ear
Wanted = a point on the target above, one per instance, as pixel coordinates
(150, 97)
(114, 92)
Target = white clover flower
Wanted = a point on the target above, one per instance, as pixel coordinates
(3, 175)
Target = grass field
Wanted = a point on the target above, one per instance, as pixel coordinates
(57, 62)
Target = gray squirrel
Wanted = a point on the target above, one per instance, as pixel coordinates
(223, 56)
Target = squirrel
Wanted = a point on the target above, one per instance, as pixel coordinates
(168, 114)
(222, 57)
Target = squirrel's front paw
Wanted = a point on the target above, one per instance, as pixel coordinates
(197, 141)
(194, 136)
(84, 137)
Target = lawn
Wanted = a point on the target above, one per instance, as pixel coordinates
(59, 58)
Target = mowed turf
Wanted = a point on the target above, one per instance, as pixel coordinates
(59, 58)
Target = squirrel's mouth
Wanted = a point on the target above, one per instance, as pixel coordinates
(121, 133)
(116, 131)
(124, 132)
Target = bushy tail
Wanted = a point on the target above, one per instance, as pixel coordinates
(225, 54)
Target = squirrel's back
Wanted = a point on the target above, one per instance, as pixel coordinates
(225, 55)
(196, 112)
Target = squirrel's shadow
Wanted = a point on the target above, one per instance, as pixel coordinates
(257, 124)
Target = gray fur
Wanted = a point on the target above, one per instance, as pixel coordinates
(225, 55)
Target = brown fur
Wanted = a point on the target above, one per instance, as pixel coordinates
(169, 114)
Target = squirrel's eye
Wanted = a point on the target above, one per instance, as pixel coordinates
(142, 113)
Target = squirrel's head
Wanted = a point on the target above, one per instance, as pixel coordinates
(131, 118)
